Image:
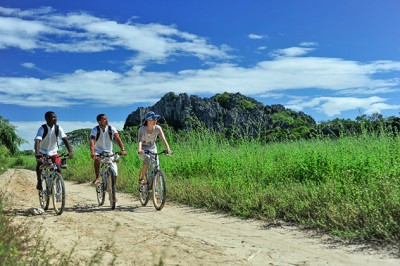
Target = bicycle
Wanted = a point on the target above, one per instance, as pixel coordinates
(156, 183)
(53, 182)
(107, 176)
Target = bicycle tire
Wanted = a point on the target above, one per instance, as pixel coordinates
(44, 198)
(144, 194)
(101, 190)
(159, 190)
(111, 191)
(58, 193)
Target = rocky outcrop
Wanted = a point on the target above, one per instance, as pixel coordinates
(233, 114)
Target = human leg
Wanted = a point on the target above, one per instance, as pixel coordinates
(38, 176)
(96, 172)
(142, 176)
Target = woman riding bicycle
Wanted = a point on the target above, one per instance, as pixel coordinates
(147, 136)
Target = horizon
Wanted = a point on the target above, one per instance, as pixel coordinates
(330, 59)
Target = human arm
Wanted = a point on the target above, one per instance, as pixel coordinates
(69, 147)
(140, 150)
(92, 142)
(165, 142)
(120, 143)
(37, 148)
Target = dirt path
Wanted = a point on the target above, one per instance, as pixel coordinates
(177, 235)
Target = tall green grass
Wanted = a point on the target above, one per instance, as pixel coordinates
(349, 186)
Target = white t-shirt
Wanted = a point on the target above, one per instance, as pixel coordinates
(104, 142)
(49, 145)
(149, 139)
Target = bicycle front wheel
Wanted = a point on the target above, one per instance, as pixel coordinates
(58, 193)
(44, 198)
(111, 191)
(101, 190)
(159, 190)
(144, 195)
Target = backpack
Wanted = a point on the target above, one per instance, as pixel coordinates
(46, 130)
(109, 132)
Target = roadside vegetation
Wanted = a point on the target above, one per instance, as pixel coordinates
(346, 184)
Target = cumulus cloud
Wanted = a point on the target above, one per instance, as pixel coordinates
(290, 69)
(276, 76)
(332, 106)
(44, 29)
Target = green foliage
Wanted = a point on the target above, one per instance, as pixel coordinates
(348, 186)
(8, 136)
(229, 101)
(4, 158)
(79, 136)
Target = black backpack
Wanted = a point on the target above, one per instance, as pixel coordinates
(109, 132)
(46, 130)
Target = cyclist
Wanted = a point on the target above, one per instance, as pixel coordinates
(46, 143)
(101, 139)
(147, 136)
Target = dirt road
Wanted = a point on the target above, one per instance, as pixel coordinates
(177, 235)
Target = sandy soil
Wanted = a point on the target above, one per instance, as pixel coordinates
(177, 235)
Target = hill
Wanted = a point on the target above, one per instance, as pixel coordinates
(232, 114)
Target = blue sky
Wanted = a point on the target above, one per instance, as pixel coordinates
(329, 59)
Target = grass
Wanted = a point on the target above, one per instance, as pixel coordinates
(349, 187)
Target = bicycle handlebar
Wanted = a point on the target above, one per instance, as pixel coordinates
(165, 152)
(109, 154)
(61, 156)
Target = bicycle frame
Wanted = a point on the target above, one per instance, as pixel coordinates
(51, 173)
(156, 183)
(152, 168)
(107, 178)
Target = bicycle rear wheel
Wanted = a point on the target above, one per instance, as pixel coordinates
(44, 198)
(58, 193)
(101, 190)
(159, 190)
(111, 191)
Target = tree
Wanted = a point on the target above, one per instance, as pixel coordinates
(8, 136)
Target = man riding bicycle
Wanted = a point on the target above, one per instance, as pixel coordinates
(101, 139)
(46, 143)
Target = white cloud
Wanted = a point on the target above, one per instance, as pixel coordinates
(256, 36)
(308, 44)
(28, 129)
(290, 69)
(290, 52)
(29, 65)
(276, 76)
(332, 106)
(80, 32)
